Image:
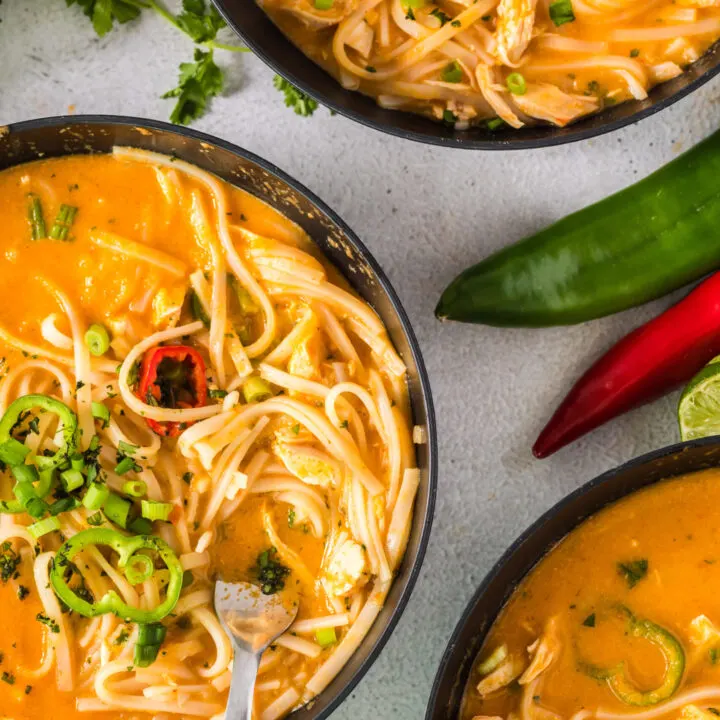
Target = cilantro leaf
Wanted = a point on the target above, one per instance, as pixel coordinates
(633, 571)
(103, 13)
(198, 82)
(294, 98)
(198, 22)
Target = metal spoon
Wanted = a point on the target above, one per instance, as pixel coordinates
(252, 621)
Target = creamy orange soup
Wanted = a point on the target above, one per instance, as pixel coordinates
(500, 62)
(619, 620)
(231, 392)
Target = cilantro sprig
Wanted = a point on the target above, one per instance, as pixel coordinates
(301, 103)
(198, 81)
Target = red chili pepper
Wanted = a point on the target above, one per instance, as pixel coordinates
(645, 365)
(178, 383)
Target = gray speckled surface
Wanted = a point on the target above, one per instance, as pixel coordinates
(425, 213)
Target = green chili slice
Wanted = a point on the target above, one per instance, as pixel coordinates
(111, 602)
(13, 416)
(617, 679)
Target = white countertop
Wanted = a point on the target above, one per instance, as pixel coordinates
(426, 213)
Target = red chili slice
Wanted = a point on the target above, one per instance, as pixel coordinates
(172, 376)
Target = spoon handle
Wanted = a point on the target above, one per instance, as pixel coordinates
(240, 702)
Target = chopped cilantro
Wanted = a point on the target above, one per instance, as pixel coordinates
(633, 571)
(301, 103)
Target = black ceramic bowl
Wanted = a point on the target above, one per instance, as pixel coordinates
(52, 137)
(535, 542)
(268, 43)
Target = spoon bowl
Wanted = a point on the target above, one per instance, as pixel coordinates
(252, 621)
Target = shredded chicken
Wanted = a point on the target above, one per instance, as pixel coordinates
(307, 463)
(664, 71)
(543, 652)
(493, 93)
(703, 631)
(515, 22)
(345, 568)
(548, 102)
(511, 669)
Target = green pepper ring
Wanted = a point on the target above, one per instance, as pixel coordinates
(111, 602)
(616, 676)
(10, 418)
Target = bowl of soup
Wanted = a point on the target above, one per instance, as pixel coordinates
(604, 608)
(492, 74)
(204, 375)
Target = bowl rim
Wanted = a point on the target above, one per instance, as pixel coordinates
(423, 379)
(465, 143)
(452, 645)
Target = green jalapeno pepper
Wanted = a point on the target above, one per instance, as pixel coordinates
(632, 247)
(617, 679)
(13, 416)
(111, 602)
(15, 452)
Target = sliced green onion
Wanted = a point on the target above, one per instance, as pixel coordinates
(139, 569)
(24, 491)
(125, 466)
(25, 473)
(77, 462)
(323, 4)
(140, 526)
(97, 339)
(95, 519)
(495, 123)
(153, 510)
(35, 215)
(561, 12)
(72, 479)
(63, 505)
(325, 636)
(13, 452)
(197, 310)
(127, 448)
(188, 579)
(117, 509)
(255, 389)
(96, 496)
(135, 488)
(516, 83)
(145, 655)
(63, 222)
(100, 412)
(43, 527)
(414, 4)
(452, 73)
(36, 507)
(493, 661)
(151, 633)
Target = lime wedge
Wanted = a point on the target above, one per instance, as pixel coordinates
(699, 406)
